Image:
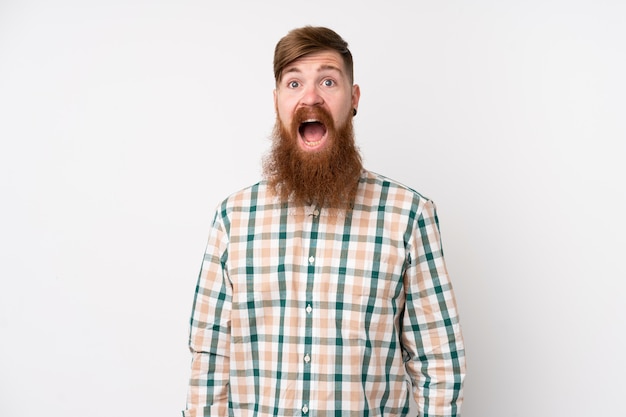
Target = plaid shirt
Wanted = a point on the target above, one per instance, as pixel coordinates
(298, 312)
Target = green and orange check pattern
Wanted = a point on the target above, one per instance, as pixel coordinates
(299, 312)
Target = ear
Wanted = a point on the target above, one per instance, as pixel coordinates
(275, 101)
(356, 95)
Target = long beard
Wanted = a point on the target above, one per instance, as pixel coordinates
(327, 178)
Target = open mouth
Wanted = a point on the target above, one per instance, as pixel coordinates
(312, 132)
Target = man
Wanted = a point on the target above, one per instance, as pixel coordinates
(323, 289)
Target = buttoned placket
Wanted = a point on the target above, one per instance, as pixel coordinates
(307, 357)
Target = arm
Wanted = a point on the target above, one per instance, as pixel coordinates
(209, 339)
(431, 335)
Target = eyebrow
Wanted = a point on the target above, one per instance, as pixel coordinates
(320, 69)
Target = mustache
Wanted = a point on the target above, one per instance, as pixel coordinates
(316, 112)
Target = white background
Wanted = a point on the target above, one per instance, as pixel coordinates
(124, 123)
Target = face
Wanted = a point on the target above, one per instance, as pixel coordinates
(312, 82)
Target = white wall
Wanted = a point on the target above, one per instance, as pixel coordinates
(124, 123)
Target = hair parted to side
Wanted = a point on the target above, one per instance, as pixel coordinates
(307, 40)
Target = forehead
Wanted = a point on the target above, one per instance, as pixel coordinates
(316, 62)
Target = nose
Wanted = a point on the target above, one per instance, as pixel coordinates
(311, 96)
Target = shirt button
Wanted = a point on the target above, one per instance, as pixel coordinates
(305, 409)
(309, 309)
(316, 212)
(307, 358)
(311, 259)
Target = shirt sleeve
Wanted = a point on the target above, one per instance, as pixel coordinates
(209, 336)
(431, 334)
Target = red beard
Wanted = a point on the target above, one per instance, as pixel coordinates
(328, 177)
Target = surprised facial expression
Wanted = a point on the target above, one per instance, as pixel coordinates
(311, 89)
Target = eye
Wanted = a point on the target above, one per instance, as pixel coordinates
(293, 84)
(328, 82)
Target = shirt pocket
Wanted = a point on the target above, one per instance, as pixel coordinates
(369, 298)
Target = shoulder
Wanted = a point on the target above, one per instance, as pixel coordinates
(255, 197)
(379, 189)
